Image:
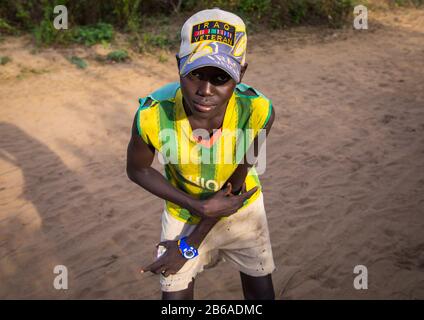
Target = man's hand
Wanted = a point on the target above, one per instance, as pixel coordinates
(223, 203)
(168, 263)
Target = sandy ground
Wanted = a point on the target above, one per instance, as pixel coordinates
(344, 184)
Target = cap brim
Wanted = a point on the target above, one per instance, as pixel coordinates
(221, 61)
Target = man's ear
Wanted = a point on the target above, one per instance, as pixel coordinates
(243, 70)
(178, 61)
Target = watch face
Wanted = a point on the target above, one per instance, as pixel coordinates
(188, 254)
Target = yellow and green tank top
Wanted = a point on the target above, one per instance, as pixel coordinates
(194, 167)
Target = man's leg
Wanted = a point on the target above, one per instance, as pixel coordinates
(186, 294)
(257, 288)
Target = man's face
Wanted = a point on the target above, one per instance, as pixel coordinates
(206, 91)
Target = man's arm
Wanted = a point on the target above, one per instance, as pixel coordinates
(236, 180)
(140, 156)
(139, 159)
(239, 176)
(171, 262)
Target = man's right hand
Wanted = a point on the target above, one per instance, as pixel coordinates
(223, 203)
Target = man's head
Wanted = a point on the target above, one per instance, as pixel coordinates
(211, 60)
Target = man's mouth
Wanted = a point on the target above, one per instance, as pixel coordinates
(203, 107)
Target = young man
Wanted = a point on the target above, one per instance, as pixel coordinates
(209, 214)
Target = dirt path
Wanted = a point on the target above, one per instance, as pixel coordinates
(344, 184)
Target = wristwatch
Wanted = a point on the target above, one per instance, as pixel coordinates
(188, 252)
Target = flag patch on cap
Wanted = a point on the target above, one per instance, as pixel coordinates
(213, 31)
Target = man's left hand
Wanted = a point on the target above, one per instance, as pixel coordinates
(168, 263)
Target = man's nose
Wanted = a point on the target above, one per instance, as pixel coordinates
(205, 88)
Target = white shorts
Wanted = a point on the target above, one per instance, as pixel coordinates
(243, 239)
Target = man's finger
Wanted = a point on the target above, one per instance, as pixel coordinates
(249, 193)
(153, 266)
(243, 188)
(228, 189)
(158, 269)
(164, 243)
(155, 254)
(167, 272)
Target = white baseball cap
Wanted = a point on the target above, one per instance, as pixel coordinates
(216, 38)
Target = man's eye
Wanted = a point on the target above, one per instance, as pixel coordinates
(221, 79)
(195, 74)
